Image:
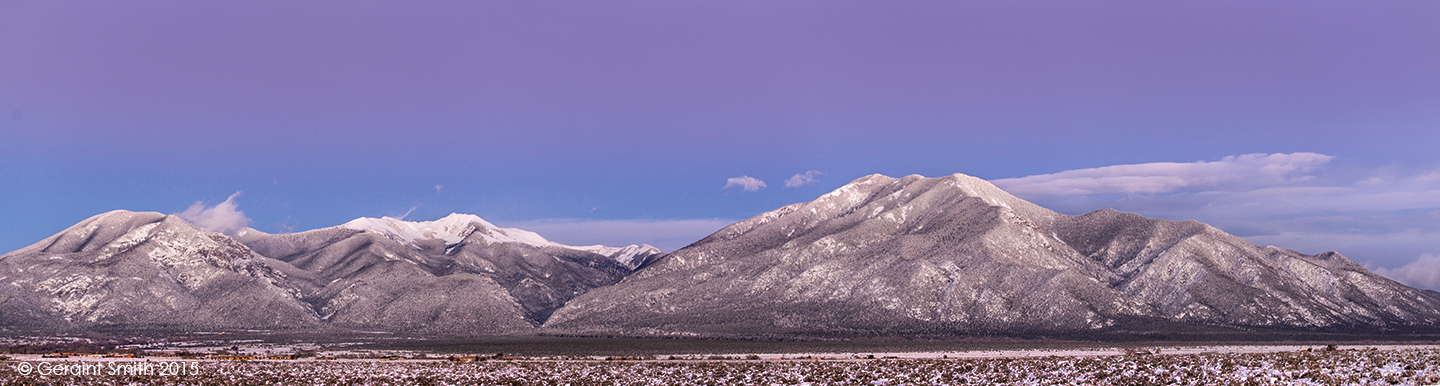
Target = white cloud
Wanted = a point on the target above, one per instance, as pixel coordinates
(748, 183)
(799, 180)
(1424, 272)
(222, 217)
(668, 235)
(1230, 173)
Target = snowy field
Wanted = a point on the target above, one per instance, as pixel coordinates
(1407, 365)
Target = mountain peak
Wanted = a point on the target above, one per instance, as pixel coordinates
(877, 186)
(146, 271)
(451, 229)
(456, 228)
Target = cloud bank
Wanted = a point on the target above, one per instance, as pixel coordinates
(222, 217)
(750, 184)
(1230, 173)
(1421, 273)
(799, 180)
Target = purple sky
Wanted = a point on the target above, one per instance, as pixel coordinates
(620, 121)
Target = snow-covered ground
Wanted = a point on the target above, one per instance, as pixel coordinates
(1094, 352)
(1229, 365)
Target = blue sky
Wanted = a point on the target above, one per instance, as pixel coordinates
(1309, 125)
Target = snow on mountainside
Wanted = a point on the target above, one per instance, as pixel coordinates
(450, 229)
(947, 256)
(148, 272)
(145, 272)
(632, 256)
(507, 265)
(956, 255)
(456, 227)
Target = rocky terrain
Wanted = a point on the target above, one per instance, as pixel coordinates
(958, 256)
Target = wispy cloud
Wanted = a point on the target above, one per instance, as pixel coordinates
(286, 225)
(750, 184)
(1230, 173)
(1424, 272)
(1378, 216)
(803, 179)
(222, 217)
(668, 235)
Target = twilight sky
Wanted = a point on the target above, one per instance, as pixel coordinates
(1311, 125)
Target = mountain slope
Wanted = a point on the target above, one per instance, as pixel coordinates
(145, 271)
(151, 273)
(1194, 273)
(956, 255)
(458, 273)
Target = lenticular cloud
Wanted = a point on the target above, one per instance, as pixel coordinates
(1229, 173)
(222, 217)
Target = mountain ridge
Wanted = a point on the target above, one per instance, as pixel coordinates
(880, 256)
(463, 282)
(957, 256)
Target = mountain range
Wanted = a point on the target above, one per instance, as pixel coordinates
(149, 272)
(880, 256)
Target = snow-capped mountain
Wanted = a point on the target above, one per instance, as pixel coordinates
(456, 227)
(515, 267)
(451, 229)
(149, 272)
(879, 256)
(129, 271)
(956, 256)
